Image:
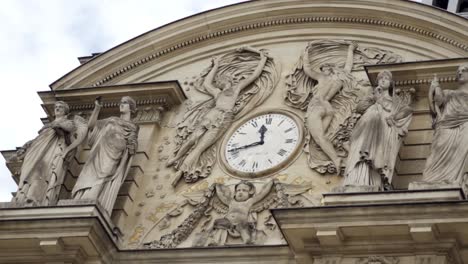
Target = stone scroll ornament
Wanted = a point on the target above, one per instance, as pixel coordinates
(447, 163)
(384, 117)
(237, 208)
(113, 144)
(46, 158)
(323, 85)
(235, 83)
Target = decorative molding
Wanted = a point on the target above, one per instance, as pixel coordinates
(280, 22)
(378, 260)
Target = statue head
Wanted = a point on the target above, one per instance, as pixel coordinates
(328, 68)
(385, 81)
(61, 109)
(462, 73)
(127, 104)
(224, 82)
(243, 191)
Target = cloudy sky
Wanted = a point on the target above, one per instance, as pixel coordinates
(40, 41)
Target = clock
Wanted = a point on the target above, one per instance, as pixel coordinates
(262, 144)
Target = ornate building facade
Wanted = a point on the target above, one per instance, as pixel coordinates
(279, 131)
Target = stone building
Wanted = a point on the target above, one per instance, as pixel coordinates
(278, 131)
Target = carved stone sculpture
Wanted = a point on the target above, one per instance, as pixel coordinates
(322, 84)
(235, 83)
(45, 158)
(377, 136)
(237, 222)
(238, 206)
(113, 144)
(448, 162)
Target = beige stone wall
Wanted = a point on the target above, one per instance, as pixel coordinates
(148, 206)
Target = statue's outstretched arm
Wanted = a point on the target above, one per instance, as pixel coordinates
(350, 57)
(209, 79)
(93, 118)
(436, 96)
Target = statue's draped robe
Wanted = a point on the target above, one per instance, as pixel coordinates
(42, 162)
(374, 145)
(448, 161)
(113, 142)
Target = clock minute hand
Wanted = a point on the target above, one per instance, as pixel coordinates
(246, 146)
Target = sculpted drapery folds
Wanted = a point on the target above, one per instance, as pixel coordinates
(377, 136)
(113, 144)
(323, 85)
(45, 158)
(235, 83)
(448, 161)
(229, 214)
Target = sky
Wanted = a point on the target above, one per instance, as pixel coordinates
(41, 40)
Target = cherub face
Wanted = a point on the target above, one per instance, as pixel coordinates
(242, 193)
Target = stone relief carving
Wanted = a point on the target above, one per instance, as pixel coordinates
(377, 136)
(46, 158)
(238, 208)
(378, 260)
(447, 163)
(323, 85)
(235, 83)
(113, 144)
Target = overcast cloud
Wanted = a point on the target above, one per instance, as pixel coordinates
(40, 41)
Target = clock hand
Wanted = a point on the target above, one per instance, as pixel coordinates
(262, 132)
(246, 146)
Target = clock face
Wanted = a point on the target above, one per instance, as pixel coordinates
(262, 143)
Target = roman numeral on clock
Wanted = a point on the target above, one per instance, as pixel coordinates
(255, 165)
(242, 163)
(289, 140)
(268, 120)
(281, 152)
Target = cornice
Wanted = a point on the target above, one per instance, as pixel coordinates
(176, 40)
(279, 22)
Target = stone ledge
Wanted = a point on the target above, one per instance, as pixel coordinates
(391, 197)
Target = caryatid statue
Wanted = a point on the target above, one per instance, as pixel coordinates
(448, 161)
(113, 144)
(46, 158)
(377, 136)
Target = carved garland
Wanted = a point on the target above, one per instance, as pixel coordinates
(278, 22)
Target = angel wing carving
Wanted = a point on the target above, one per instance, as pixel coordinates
(315, 94)
(235, 83)
(221, 199)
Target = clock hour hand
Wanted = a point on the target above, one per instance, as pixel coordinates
(246, 146)
(262, 132)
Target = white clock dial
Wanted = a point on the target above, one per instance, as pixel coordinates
(262, 143)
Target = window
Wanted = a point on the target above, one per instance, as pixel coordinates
(440, 3)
